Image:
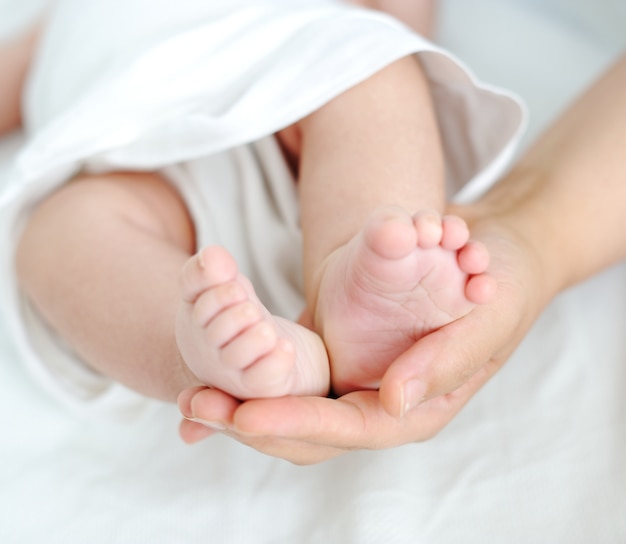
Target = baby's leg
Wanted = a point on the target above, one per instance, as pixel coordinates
(376, 147)
(101, 259)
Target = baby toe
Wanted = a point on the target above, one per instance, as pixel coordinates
(250, 345)
(231, 323)
(389, 233)
(215, 300)
(209, 267)
(455, 233)
(429, 228)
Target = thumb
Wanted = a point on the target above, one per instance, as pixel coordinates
(438, 364)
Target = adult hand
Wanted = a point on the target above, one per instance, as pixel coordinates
(535, 224)
(453, 363)
(307, 430)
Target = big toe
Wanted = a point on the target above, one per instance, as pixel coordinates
(212, 265)
(390, 233)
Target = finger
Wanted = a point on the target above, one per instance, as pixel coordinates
(206, 411)
(192, 432)
(440, 363)
(355, 421)
(185, 398)
(210, 407)
(306, 430)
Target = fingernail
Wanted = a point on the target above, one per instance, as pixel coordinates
(215, 425)
(413, 392)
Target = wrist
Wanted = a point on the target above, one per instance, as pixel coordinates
(571, 234)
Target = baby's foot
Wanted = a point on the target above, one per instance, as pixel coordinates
(229, 340)
(399, 279)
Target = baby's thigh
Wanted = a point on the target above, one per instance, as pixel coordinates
(143, 201)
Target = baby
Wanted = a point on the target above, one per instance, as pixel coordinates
(110, 261)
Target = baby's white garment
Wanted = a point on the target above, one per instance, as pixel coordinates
(195, 89)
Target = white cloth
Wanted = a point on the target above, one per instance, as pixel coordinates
(195, 88)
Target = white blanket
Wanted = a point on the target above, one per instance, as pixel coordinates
(537, 456)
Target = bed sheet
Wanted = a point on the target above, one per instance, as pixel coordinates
(539, 455)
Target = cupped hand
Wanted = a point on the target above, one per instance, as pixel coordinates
(482, 341)
(452, 363)
(308, 430)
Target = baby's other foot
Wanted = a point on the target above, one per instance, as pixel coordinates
(396, 281)
(230, 341)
